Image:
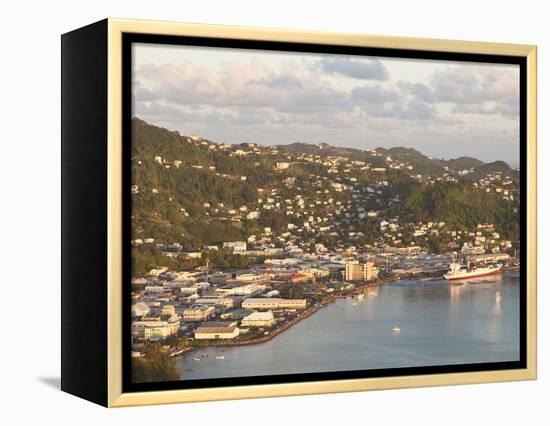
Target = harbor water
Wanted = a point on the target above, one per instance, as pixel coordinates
(404, 323)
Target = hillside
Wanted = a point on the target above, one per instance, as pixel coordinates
(197, 193)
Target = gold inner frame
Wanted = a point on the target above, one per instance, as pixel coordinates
(116, 398)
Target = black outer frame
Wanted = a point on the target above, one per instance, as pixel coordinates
(84, 212)
(129, 38)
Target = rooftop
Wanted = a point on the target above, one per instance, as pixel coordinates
(259, 316)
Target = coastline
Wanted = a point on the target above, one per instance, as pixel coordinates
(275, 332)
(305, 314)
(373, 343)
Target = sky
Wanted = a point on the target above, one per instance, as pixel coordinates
(444, 109)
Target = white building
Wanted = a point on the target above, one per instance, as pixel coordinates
(235, 246)
(157, 272)
(253, 215)
(140, 309)
(243, 290)
(273, 303)
(217, 330)
(212, 301)
(198, 313)
(259, 319)
(155, 330)
(281, 166)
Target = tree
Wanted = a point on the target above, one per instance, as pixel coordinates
(155, 366)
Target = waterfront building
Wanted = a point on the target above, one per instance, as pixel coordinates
(198, 313)
(259, 319)
(356, 271)
(273, 303)
(212, 301)
(489, 257)
(236, 314)
(217, 330)
(471, 249)
(155, 330)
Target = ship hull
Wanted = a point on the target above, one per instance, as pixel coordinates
(471, 275)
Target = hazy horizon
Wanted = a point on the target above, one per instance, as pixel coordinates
(512, 165)
(443, 109)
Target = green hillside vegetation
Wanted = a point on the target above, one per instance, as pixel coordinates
(422, 164)
(189, 204)
(460, 206)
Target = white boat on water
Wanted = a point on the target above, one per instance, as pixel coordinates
(459, 272)
(396, 329)
(196, 359)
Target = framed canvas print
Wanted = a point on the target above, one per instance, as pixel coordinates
(251, 212)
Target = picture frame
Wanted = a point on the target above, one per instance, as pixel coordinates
(97, 254)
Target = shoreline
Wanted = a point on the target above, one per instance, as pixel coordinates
(304, 315)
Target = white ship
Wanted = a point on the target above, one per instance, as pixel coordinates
(459, 272)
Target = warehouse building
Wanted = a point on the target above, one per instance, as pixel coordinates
(217, 330)
(259, 319)
(270, 303)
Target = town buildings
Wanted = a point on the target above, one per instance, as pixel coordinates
(155, 329)
(356, 271)
(198, 313)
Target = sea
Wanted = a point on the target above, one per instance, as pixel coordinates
(404, 323)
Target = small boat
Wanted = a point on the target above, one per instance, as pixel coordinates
(396, 329)
(196, 359)
(220, 357)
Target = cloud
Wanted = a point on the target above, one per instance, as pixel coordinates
(409, 110)
(478, 89)
(374, 94)
(279, 82)
(342, 101)
(508, 108)
(361, 69)
(392, 102)
(238, 85)
(420, 91)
